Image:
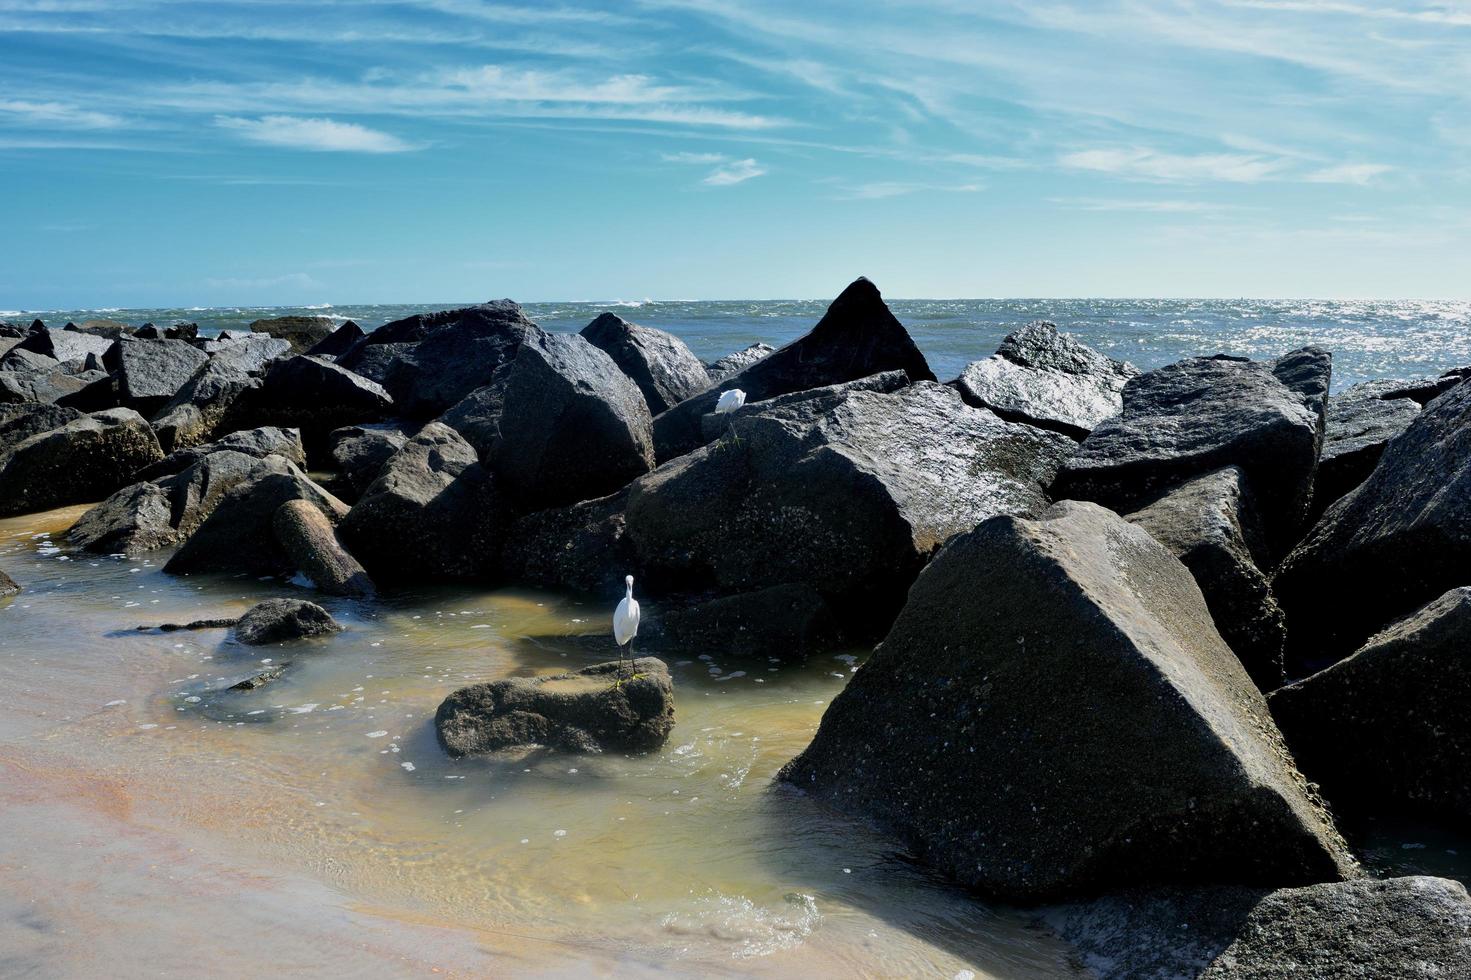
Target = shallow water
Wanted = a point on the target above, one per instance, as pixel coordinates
(152, 823)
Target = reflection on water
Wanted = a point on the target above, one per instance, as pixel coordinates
(688, 860)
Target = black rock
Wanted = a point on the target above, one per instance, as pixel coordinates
(1387, 728)
(716, 424)
(1204, 413)
(1361, 421)
(262, 678)
(785, 621)
(150, 372)
(301, 332)
(266, 441)
(736, 362)
(313, 395)
(558, 423)
(458, 353)
(282, 620)
(29, 420)
(659, 363)
(1210, 524)
(361, 450)
(339, 341)
(1054, 713)
(1425, 390)
(858, 336)
(374, 361)
(1044, 378)
(81, 460)
(596, 709)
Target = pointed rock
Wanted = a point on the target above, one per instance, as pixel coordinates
(659, 363)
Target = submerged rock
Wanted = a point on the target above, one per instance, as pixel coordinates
(659, 363)
(1054, 713)
(81, 460)
(736, 362)
(857, 337)
(1387, 728)
(1044, 378)
(261, 679)
(310, 541)
(7, 586)
(596, 709)
(1204, 413)
(1210, 524)
(281, 620)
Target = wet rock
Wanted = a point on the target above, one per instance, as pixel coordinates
(1415, 927)
(310, 541)
(659, 363)
(282, 620)
(301, 332)
(596, 709)
(1386, 728)
(266, 441)
(581, 547)
(558, 423)
(84, 459)
(361, 450)
(857, 337)
(1210, 524)
(1399, 540)
(1044, 378)
(1204, 413)
(239, 534)
(313, 395)
(339, 341)
(7, 586)
(25, 421)
(1054, 713)
(1361, 421)
(432, 512)
(64, 345)
(197, 624)
(149, 373)
(256, 681)
(458, 352)
(784, 621)
(734, 363)
(201, 406)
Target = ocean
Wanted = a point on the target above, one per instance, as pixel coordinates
(1369, 338)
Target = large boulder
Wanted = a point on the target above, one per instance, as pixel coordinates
(149, 373)
(1393, 544)
(43, 387)
(266, 441)
(311, 542)
(202, 405)
(18, 423)
(359, 451)
(665, 370)
(239, 534)
(716, 424)
(373, 361)
(557, 424)
(783, 621)
(1054, 713)
(1416, 928)
(458, 352)
(1044, 378)
(26, 361)
(64, 345)
(312, 394)
(301, 332)
(84, 459)
(433, 512)
(1210, 524)
(1387, 728)
(858, 336)
(282, 620)
(1361, 421)
(339, 341)
(1204, 413)
(608, 707)
(737, 361)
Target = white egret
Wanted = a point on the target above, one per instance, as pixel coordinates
(625, 624)
(730, 401)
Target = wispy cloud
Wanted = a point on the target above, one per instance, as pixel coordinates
(314, 134)
(689, 157)
(735, 172)
(1144, 206)
(1349, 173)
(880, 189)
(55, 115)
(1140, 163)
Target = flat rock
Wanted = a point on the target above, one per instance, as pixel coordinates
(1387, 728)
(1201, 414)
(310, 541)
(283, 620)
(1044, 378)
(301, 332)
(662, 366)
(737, 361)
(265, 441)
(596, 709)
(64, 345)
(42, 387)
(1210, 524)
(1361, 421)
(149, 373)
(458, 352)
(84, 459)
(1053, 713)
(373, 361)
(857, 337)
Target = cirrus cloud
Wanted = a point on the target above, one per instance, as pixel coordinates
(314, 134)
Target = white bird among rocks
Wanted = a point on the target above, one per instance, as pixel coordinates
(730, 401)
(625, 624)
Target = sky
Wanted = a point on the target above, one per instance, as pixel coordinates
(177, 153)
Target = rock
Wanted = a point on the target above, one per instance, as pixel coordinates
(163, 511)
(361, 450)
(587, 710)
(716, 424)
(7, 586)
(659, 363)
(1425, 390)
(97, 394)
(105, 328)
(64, 345)
(1053, 713)
(1386, 728)
(1417, 927)
(784, 621)
(1210, 524)
(311, 394)
(41, 388)
(458, 353)
(24, 361)
(374, 361)
(150, 372)
(261, 679)
(557, 424)
(1201, 414)
(1361, 421)
(734, 363)
(1044, 378)
(310, 541)
(432, 512)
(1393, 544)
(266, 441)
(239, 535)
(857, 337)
(580, 548)
(301, 332)
(339, 341)
(84, 459)
(281, 620)
(29, 420)
(202, 405)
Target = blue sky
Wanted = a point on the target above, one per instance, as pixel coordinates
(165, 152)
